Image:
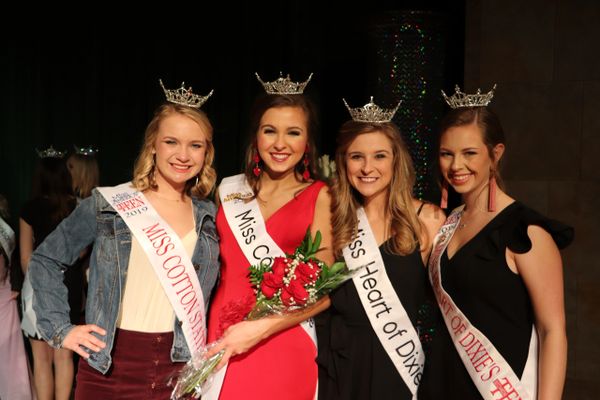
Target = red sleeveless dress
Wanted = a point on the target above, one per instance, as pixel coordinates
(282, 366)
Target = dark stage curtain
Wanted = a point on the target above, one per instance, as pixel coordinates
(96, 83)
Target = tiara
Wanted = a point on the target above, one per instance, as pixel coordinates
(284, 85)
(371, 112)
(85, 151)
(460, 99)
(184, 97)
(50, 152)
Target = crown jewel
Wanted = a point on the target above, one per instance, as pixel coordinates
(284, 85)
(85, 151)
(184, 97)
(371, 112)
(50, 152)
(460, 99)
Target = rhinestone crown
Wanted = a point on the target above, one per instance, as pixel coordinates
(85, 151)
(184, 97)
(371, 112)
(284, 85)
(50, 152)
(460, 99)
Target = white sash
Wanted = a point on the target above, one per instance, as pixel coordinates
(489, 371)
(383, 307)
(248, 227)
(168, 257)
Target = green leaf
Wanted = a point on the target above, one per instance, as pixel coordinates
(337, 267)
(317, 243)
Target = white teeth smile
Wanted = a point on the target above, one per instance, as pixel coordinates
(460, 178)
(367, 179)
(280, 157)
(181, 167)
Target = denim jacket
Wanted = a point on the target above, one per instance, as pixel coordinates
(95, 221)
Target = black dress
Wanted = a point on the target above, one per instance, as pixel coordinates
(491, 296)
(352, 362)
(36, 213)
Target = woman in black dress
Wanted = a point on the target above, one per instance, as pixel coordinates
(378, 321)
(496, 272)
(52, 201)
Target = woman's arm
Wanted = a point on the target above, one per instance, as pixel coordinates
(241, 337)
(322, 222)
(58, 251)
(541, 270)
(25, 243)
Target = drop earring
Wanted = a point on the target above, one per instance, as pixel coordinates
(492, 192)
(256, 159)
(306, 162)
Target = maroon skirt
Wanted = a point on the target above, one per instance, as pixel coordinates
(141, 368)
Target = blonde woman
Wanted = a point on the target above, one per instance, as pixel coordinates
(85, 174)
(154, 249)
(380, 321)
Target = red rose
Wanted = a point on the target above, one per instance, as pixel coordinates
(272, 280)
(298, 292)
(268, 291)
(279, 266)
(308, 272)
(286, 297)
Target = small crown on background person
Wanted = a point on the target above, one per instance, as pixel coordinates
(85, 151)
(371, 112)
(183, 96)
(50, 152)
(284, 85)
(460, 99)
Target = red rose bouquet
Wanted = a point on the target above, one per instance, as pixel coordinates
(288, 284)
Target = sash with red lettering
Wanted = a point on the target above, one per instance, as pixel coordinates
(388, 317)
(248, 227)
(492, 375)
(168, 257)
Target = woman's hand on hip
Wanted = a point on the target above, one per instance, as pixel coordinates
(81, 336)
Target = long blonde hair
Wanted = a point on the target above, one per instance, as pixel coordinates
(405, 225)
(143, 170)
(85, 174)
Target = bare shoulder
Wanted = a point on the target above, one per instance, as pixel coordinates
(324, 197)
(541, 241)
(432, 216)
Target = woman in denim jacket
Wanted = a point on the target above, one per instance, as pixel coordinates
(132, 340)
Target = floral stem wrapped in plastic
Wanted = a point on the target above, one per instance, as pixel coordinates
(288, 284)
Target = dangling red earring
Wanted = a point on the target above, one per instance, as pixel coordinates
(492, 192)
(444, 200)
(256, 158)
(306, 173)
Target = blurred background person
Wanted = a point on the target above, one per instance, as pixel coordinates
(14, 370)
(85, 174)
(52, 200)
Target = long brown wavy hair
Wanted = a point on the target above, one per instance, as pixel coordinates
(52, 181)
(404, 225)
(143, 170)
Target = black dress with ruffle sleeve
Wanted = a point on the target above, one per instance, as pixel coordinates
(492, 297)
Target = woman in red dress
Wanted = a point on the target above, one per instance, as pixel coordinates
(273, 357)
